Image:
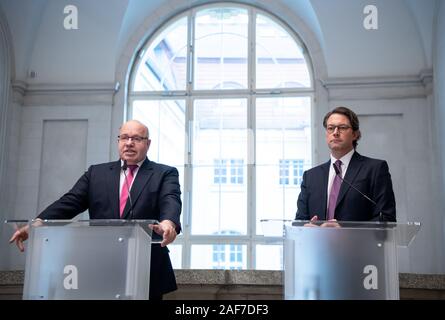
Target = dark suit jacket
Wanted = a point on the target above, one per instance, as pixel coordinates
(155, 194)
(370, 176)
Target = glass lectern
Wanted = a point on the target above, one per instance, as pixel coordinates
(88, 259)
(347, 260)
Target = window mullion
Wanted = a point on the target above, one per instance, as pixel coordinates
(251, 182)
(188, 168)
(251, 55)
(251, 172)
(190, 52)
(188, 182)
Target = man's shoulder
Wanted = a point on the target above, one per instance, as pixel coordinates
(105, 165)
(319, 168)
(369, 160)
(159, 166)
(100, 168)
(147, 163)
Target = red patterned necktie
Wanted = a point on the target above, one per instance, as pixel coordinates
(126, 187)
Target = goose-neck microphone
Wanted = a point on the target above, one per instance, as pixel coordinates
(337, 172)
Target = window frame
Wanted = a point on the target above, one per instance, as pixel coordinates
(189, 95)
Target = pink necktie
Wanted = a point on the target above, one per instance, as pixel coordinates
(335, 190)
(125, 187)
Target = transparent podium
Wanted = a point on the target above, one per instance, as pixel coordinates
(88, 259)
(346, 260)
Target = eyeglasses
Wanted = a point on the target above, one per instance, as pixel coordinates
(341, 128)
(125, 138)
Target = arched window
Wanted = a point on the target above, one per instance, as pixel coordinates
(227, 92)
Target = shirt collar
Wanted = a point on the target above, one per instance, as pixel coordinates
(345, 159)
(139, 163)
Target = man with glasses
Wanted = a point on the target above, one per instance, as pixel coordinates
(326, 196)
(131, 188)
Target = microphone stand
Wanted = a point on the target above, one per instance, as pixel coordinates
(337, 172)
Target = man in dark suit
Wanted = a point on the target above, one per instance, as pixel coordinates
(323, 194)
(103, 190)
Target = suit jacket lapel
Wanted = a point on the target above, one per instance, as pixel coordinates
(353, 168)
(113, 186)
(143, 176)
(325, 177)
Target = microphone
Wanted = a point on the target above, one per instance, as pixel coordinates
(337, 172)
(124, 168)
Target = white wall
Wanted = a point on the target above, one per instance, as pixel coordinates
(439, 116)
(377, 73)
(6, 117)
(93, 110)
(398, 130)
(401, 45)
(394, 49)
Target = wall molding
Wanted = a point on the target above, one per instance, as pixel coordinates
(43, 94)
(401, 87)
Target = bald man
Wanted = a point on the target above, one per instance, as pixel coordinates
(154, 191)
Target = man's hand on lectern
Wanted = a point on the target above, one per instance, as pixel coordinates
(21, 235)
(329, 224)
(167, 229)
(312, 222)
